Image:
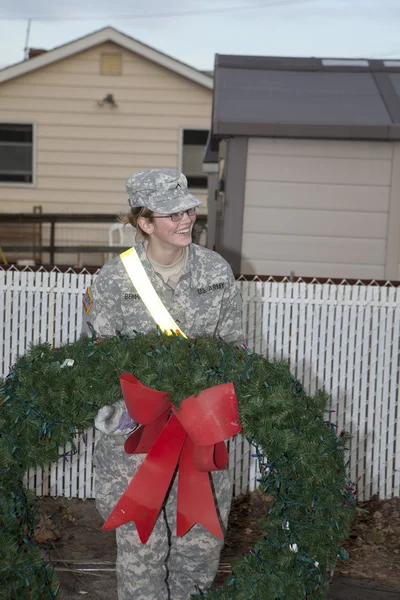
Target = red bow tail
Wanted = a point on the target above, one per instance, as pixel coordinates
(192, 437)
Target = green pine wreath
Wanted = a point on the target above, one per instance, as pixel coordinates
(44, 404)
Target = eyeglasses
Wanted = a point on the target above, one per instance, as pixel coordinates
(178, 216)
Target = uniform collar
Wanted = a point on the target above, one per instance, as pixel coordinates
(141, 252)
(196, 266)
(154, 278)
(192, 273)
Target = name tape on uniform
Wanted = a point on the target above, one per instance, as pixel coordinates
(145, 289)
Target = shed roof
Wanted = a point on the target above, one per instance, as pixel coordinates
(306, 98)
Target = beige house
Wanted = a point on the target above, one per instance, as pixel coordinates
(308, 179)
(76, 121)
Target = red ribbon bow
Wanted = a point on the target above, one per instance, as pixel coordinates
(192, 436)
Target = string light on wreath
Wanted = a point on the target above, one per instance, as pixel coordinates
(51, 395)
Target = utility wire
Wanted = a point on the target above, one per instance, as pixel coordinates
(161, 15)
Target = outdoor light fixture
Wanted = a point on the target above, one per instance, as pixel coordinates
(108, 99)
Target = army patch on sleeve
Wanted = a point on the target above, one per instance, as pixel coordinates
(87, 301)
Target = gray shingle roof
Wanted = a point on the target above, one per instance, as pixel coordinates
(300, 97)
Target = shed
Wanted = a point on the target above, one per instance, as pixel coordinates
(309, 166)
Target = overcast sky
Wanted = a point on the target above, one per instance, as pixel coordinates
(195, 30)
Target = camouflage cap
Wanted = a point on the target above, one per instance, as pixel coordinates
(161, 190)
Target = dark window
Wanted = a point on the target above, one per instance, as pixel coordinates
(193, 148)
(16, 153)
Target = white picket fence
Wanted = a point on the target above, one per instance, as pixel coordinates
(342, 337)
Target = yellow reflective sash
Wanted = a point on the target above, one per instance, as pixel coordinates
(148, 294)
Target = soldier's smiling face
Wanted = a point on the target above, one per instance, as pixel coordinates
(166, 231)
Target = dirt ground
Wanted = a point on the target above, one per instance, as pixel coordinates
(374, 542)
(76, 544)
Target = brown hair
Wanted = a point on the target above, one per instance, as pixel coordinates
(132, 217)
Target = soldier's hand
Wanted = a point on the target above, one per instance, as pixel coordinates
(114, 419)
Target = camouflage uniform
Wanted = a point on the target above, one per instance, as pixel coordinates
(204, 302)
(166, 567)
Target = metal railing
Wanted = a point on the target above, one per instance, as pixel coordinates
(33, 235)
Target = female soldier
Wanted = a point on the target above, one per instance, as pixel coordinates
(198, 289)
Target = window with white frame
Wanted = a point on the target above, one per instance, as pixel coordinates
(16, 153)
(193, 147)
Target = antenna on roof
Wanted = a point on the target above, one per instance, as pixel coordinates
(26, 49)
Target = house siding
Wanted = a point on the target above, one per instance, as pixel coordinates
(316, 208)
(85, 152)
